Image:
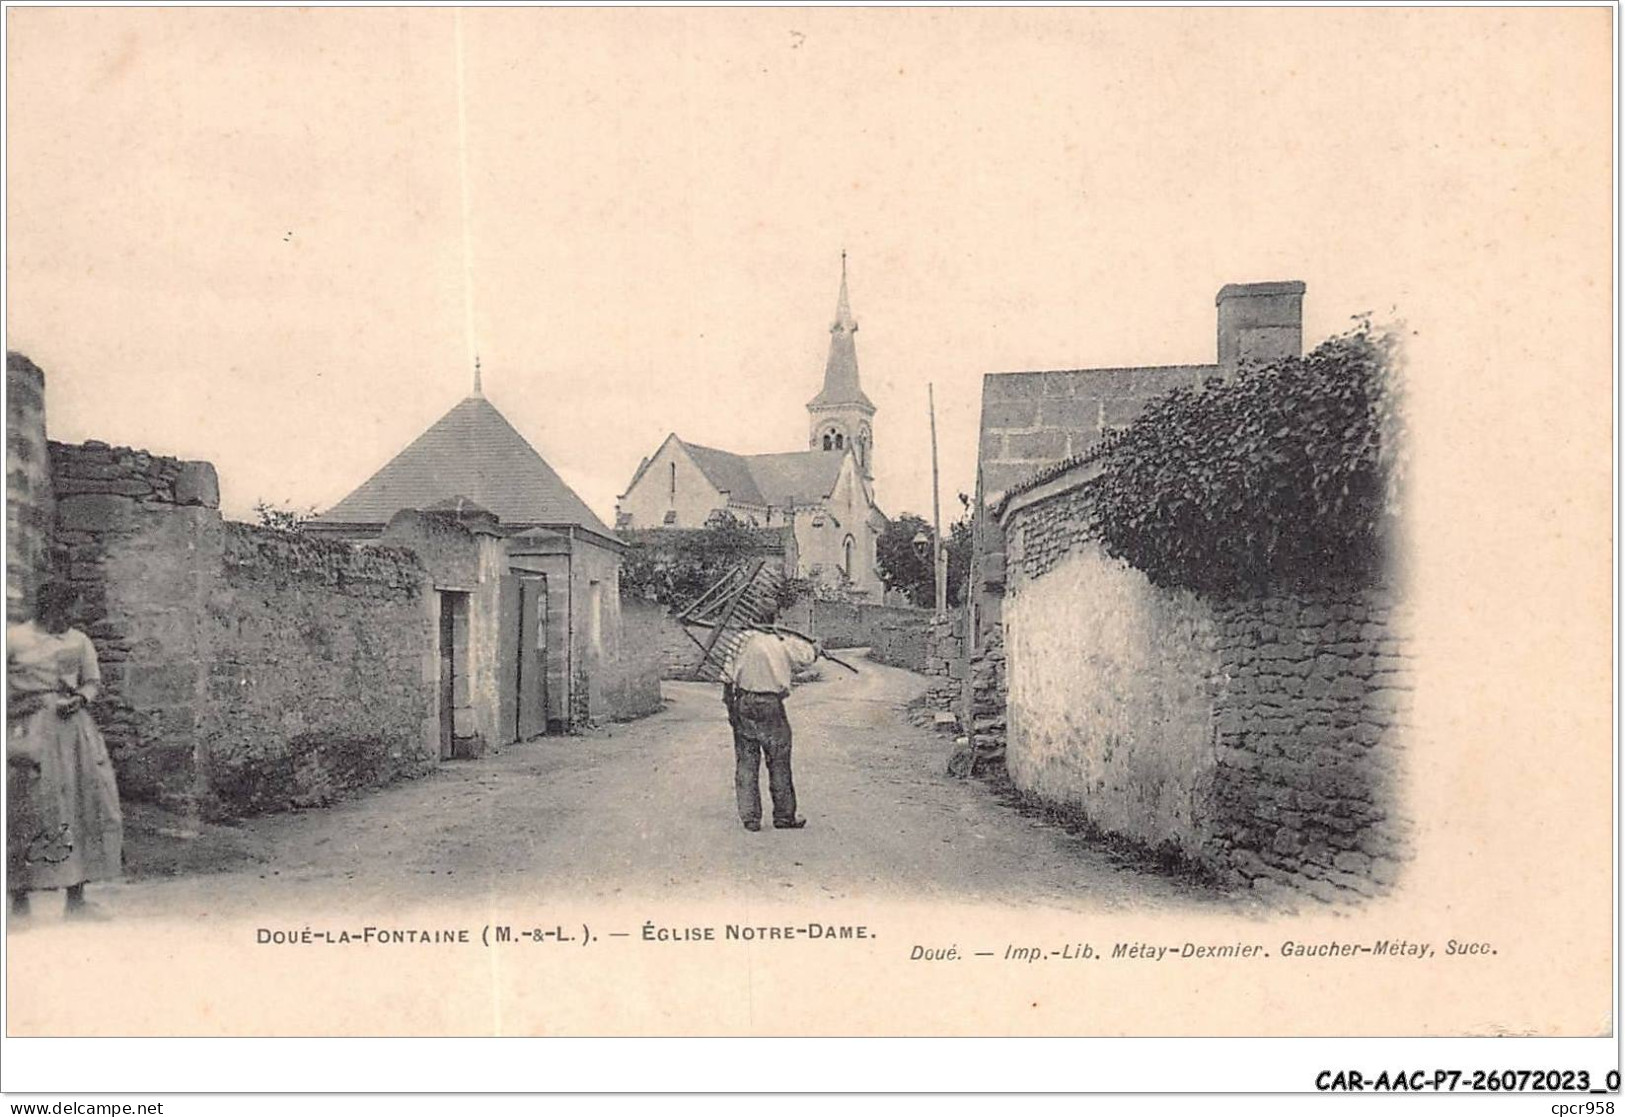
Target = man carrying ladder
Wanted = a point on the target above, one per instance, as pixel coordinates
(755, 683)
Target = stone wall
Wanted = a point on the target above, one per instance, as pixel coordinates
(894, 634)
(320, 671)
(939, 706)
(141, 539)
(944, 644)
(900, 639)
(29, 502)
(651, 626)
(988, 681)
(1258, 738)
(1109, 707)
(634, 683)
(1310, 718)
(970, 686)
(243, 669)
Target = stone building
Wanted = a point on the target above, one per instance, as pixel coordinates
(824, 494)
(1256, 737)
(1034, 421)
(464, 552)
(530, 640)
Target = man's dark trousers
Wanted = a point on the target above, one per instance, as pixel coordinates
(761, 729)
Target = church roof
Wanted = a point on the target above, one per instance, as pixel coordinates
(780, 480)
(729, 472)
(841, 368)
(475, 454)
(804, 477)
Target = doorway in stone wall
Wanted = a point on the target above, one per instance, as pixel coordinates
(453, 670)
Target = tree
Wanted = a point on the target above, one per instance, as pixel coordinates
(903, 567)
(900, 563)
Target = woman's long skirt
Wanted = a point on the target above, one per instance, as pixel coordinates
(65, 825)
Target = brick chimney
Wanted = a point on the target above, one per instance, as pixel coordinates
(1259, 322)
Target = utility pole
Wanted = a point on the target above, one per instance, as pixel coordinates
(939, 553)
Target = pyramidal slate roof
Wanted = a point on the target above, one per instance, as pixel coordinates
(473, 452)
(780, 480)
(841, 368)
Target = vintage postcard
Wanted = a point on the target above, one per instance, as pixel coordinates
(810, 522)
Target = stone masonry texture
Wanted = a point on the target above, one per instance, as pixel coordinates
(894, 634)
(1258, 737)
(29, 502)
(641, 663)
(244, 669)
(318, 671)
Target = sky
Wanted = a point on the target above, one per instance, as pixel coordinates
(273, 239)
(240, 236)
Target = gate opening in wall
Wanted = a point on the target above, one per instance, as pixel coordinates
(458, 735)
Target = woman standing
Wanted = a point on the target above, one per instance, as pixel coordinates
(65, 827)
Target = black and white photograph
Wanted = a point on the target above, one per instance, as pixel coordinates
(780, 522)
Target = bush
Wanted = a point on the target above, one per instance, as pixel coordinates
(675, 567)
(278, 518)
(1284, 475)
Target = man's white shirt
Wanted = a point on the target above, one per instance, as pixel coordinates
(765, 661)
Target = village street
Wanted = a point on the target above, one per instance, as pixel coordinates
(645, 811)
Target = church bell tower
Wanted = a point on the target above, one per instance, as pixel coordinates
(841, 417)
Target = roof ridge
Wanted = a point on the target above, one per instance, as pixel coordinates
(475, 451)
(711, 449)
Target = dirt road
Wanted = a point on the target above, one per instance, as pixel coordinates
(646, 811)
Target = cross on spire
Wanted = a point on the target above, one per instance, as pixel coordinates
(841, 369)
(843, 310)
(477, 390)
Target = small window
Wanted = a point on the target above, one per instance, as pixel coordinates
(673, 478)
(827, 445)
(839, 440)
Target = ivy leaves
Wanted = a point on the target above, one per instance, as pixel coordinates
(1282, 475)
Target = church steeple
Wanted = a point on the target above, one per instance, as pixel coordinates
(843, 309)
(840, 414)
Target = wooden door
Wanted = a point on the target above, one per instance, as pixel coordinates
(508, 658)
(532, 657)
(448, 672)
